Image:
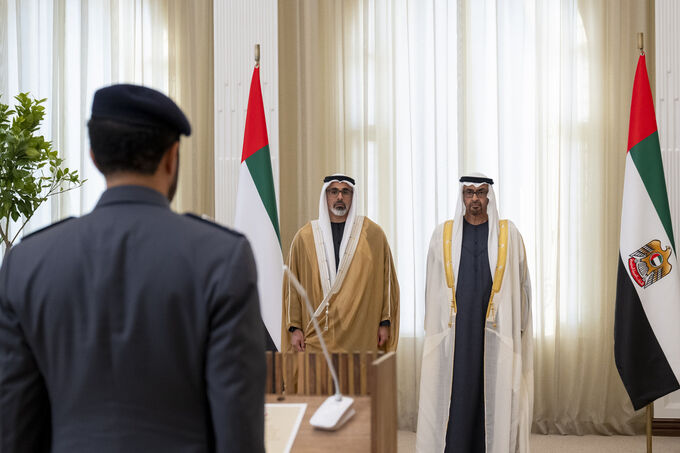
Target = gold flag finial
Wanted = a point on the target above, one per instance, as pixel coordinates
(257, 55)
(641, 43)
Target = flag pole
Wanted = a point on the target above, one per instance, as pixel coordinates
(257, 55)
(650, 406)
(650, 417)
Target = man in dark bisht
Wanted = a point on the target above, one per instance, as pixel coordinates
(132, 328)
(476, 386)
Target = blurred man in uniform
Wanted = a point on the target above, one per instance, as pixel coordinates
(344, 263)
(131, 328)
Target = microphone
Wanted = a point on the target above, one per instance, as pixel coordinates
(336, 410)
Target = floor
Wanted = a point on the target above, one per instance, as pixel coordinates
(576, 444)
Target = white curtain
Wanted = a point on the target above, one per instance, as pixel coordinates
(65, 50)
(406, 95)
(370, 87)
(371, 90)
(556, 79)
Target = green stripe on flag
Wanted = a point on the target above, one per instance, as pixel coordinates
(647, 158)
(260, 167)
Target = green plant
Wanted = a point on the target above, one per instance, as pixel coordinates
(30, 169)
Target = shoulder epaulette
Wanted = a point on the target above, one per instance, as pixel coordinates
(59, 222)
(210, 222)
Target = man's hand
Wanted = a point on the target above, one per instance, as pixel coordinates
(383, 335)
(297, 339)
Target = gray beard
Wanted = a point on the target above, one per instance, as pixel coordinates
(339, 212)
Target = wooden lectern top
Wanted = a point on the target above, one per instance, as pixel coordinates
(354, 436)
(304, 378)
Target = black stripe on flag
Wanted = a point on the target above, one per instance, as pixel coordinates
(642, 365)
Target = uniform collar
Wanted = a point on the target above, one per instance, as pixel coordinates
(132, 194)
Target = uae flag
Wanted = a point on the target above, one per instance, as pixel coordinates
(647, 322)
(256, 213)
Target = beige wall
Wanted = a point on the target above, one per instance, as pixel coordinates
(190, 36)
(313, 131)
(289, 167)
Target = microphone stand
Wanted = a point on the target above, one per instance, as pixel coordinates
(334, 412)
(303, 293)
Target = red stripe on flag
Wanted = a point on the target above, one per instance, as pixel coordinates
(642, 117)
(255, 137)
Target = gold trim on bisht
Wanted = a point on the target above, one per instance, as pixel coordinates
(500, 269)
(498, 274)
(448, 266)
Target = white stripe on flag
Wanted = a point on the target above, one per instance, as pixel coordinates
(640, 224)
(253, 221)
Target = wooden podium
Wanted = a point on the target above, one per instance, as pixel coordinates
(369, 379)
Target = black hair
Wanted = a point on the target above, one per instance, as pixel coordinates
(121, 147)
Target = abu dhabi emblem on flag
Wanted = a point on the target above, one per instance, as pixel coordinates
(649, 263)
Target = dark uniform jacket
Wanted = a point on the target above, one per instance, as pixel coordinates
(131, 329)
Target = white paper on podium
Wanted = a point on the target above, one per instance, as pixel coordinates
(281, 424)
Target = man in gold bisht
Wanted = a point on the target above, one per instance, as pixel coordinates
(476, 386)
(344, 263)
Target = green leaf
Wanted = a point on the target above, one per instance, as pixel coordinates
(25, 157)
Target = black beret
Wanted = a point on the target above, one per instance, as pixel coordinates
(138, 105)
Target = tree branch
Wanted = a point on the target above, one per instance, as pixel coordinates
(22, 227)
(5, 233)
(50, 193)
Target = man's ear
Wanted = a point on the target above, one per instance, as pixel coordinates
(94, 161)
(171, 158)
